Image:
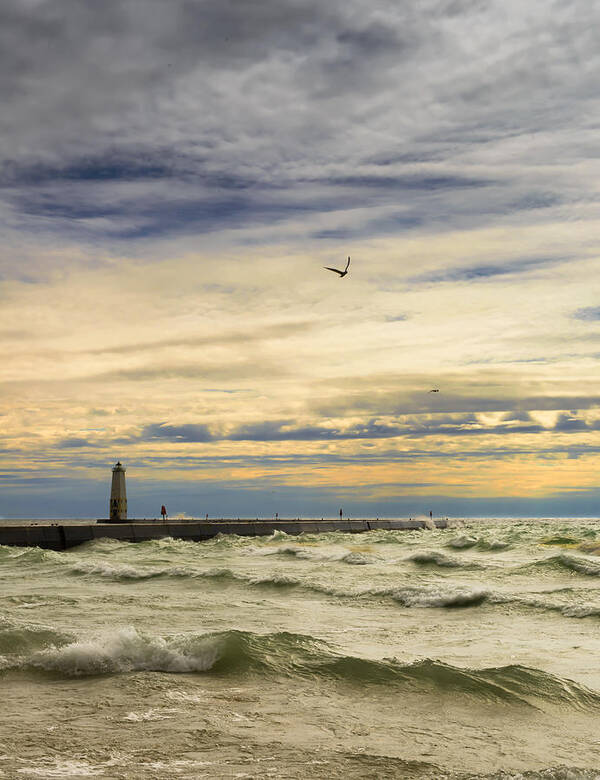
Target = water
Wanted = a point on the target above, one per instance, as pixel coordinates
(463, 653)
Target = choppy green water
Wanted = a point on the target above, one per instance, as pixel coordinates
(470, 652)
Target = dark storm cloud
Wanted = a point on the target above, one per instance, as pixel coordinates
(124, 120)
(98, 168)
(150, 214)
(409, 183)
(185, 197)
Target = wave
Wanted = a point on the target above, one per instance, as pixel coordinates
(560, 540)
(285, 654)
(436, 558)
(467, 542)
(123, 572)
(566, 610)
(443, 596)
(28, 555)
(128, 573)
(358, 558)
(580, 610)
(462, 542)
(492, 545)
(275, 580)
(571, 563)
(590, 548)
(18, 637)
(35, 600)
(352, 557)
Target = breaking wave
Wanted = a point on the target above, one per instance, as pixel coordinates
(481, 543)
(28, 555)
(352, 557)
(124, 572)
(492, 545)
(433, 557)
(570, 563)
(462, 542)
(439, 596)
(443, 595)
(290, 655)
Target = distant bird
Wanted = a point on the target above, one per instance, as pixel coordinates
(436, 390)
(337, 271)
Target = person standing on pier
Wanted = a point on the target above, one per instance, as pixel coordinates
(341, 514)
(163, 511)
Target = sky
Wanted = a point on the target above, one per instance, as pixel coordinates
(173, 178)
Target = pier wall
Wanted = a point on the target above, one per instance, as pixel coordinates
(55, 536)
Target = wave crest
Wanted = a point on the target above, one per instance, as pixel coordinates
(436, 558)
(292, 655)
(22, 637)
(440, 596)
(462, 542)
(572, 563)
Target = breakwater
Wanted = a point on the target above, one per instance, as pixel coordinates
(58, 536)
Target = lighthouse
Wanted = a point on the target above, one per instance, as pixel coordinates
(118, 495)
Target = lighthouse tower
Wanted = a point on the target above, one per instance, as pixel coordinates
(118, 495)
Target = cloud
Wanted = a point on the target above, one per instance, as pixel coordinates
(589, 313)
(388, 402)
(243, 369)
(177, 433)
(125, 123)
(75, 442)
(481, 273)
(272, 332)
(414, 427)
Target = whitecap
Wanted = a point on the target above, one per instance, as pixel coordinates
(440, 596)
(126, 650)
(462, 542)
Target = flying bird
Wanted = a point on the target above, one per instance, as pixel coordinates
(337, 271)
(436, 390)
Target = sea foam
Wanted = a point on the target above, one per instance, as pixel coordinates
(126, 650)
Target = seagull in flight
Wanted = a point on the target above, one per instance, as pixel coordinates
(337, 271)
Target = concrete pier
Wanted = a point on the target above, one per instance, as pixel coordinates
(58, 536)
